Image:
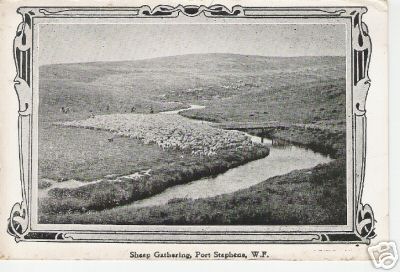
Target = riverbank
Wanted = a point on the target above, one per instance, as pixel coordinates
(314, 196)
(196, 150)
(318, 139)
(283, 158)
(107, 193)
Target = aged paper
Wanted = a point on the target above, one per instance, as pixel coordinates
(193, 130)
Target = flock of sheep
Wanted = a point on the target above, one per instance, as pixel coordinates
(168, 131)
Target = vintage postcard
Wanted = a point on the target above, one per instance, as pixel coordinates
(194, 131)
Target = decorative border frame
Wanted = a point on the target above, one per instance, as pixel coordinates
(19, 224)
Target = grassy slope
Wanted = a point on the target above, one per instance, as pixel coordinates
(203, 79)
(86, 155)
(298, 102)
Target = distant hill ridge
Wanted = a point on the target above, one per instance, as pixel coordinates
(201, 58)
(125, 86)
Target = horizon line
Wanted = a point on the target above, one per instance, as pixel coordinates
(191, 54)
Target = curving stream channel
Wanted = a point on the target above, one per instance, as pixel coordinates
(283, 158)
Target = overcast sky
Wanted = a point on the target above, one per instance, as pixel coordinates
(67, 43)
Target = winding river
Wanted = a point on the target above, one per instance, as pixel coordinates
(283, 158)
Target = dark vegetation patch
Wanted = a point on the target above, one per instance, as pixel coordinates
(44, 184)
(332, 143)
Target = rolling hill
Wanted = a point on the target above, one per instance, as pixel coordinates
(310, 85)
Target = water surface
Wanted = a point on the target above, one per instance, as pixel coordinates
(283, 158)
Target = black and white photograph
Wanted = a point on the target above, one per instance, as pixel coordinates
(194, 124)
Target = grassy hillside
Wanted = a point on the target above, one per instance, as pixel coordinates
(204, 79)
